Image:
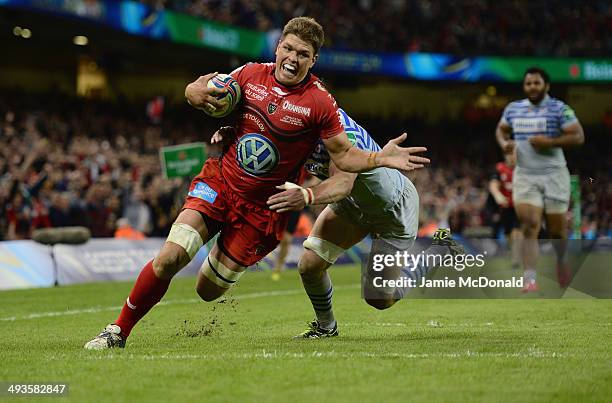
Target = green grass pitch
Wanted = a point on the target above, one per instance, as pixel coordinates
(242, 350)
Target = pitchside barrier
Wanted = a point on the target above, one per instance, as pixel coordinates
(27, 264)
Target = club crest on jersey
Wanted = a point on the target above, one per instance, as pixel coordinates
(272, 107)
(256, 154)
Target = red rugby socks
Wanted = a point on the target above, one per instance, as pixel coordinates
(147, 291)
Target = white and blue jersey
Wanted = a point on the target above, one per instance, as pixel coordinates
(357, 134)
(377, 189)
(548, 118)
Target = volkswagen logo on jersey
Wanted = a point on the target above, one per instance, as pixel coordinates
(256, 154)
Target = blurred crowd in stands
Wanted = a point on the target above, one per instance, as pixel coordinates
(84, 163)
(69, 161)
(473, 27)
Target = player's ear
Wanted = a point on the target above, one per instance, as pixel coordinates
(277, 46)
(314, 60)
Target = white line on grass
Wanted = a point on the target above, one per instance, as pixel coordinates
(275, 354)
(429, 324)
(263, 294)
(379, 324)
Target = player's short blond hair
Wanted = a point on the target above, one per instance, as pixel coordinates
(307, 29)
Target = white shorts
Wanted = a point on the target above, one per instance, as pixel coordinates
(550, 191)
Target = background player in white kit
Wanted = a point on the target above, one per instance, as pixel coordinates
(383, 203)
(540, 127)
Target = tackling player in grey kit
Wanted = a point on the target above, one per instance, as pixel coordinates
(383, 203)
(541, 127)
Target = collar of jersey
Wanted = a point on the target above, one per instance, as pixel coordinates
(291, 87)
(546, 98)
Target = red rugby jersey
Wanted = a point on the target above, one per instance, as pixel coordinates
(277, 130)
(504, 174)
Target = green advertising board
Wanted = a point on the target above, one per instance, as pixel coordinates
(139, 19)
(433, 66)
(560, 69)
(182, 160)
(195, 31)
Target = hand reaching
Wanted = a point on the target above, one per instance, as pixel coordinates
(225, 136)
(394, 156)
(292, 199)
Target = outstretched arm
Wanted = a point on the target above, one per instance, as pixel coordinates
(352, 159)
(335, 188)
(338, 186)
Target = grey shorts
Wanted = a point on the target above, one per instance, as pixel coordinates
(550, 191)
(397, 225)
(395, 228)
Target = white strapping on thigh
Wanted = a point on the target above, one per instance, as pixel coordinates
(219, 273)
(187, 237)
(324, 249)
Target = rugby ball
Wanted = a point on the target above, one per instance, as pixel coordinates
(230, 99)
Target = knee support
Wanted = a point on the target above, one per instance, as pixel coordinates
(324, 249)
(187, 237)
(220, 274)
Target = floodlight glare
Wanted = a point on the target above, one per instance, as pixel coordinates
(80, 40)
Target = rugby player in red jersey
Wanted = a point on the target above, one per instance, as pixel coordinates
(284, 111)
(500, 188)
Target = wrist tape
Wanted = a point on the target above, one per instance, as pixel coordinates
(308, 194)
